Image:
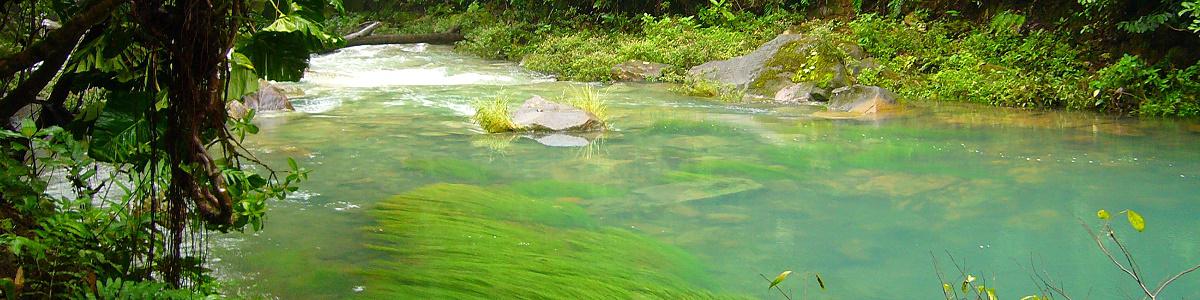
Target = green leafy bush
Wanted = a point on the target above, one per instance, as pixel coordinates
(1132, 85)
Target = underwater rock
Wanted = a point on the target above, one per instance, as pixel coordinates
(268, 98)
(701, 189)
(727, 218)
(539, 114)
(862, 99)
(804, 92)
(636, 70)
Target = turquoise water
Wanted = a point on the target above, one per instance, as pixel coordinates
(867, 204)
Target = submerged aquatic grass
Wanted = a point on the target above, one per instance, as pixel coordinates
(492, 114)
(449, 241)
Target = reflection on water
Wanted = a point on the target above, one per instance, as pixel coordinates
(748, 190)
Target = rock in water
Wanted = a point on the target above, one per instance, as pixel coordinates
(268, 98)
(539, 114)
(636, 70)
(742, 70)
(803, 92)
(697, 190)
(862, 99)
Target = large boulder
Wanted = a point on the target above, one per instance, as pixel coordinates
(804, 92)
(741, 71)
(268, 98)
(862, 99)
(539, 114)
(636, 70)
(786, 60)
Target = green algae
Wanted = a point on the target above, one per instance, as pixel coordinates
(444, 168)
(449, 241)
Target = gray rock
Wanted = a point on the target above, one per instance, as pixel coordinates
(636, 70)
(268, 98)
(804, 92)
(742, 70)
(862, 99)
(538, 114)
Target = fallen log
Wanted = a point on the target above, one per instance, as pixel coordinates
(364, 30)
(446, 38)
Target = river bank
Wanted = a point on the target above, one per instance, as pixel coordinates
(1001, 59)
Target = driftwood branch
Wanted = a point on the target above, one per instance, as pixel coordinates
(364, 30)
(429, 38)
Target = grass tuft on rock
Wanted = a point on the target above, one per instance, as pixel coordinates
(448, 241)
(588, 99)
(493, 115)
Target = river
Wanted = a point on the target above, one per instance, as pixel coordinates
(723, 192)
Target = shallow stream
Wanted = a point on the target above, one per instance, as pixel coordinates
(738, 190)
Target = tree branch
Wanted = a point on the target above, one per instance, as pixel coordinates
(25, 93)
(59, 40)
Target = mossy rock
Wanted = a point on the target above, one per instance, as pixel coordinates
(448, 241)
(807, 60)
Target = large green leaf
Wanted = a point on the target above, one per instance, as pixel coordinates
(122, 133)
(242, 79)
(280, 51)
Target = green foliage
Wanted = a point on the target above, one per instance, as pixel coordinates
(988, 65)
(280, 50)
(505, 245)
(589, 55)
(117, 289)
(493, 115)
(121, 82)
(552, 189)
(1131, 84)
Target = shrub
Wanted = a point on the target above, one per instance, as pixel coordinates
(1132, 85)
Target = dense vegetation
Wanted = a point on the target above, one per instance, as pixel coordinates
(121, 156)
(1135, 57)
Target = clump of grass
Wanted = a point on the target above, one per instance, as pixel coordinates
(493, 115)
(697, 86)
(588, 99)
